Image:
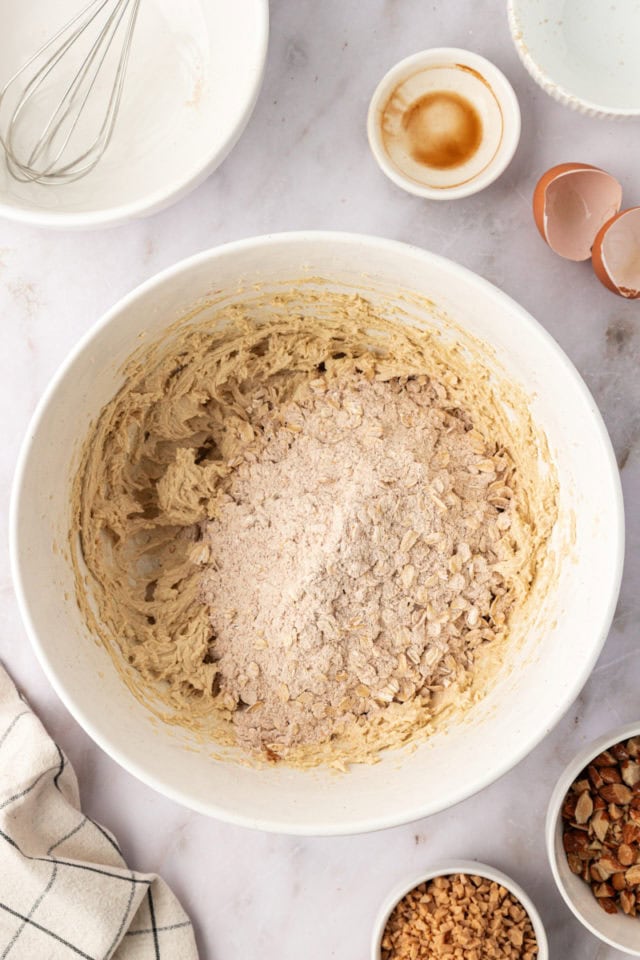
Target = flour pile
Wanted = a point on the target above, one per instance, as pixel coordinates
(356, 558)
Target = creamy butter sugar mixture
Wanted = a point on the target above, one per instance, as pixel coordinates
(300, 534)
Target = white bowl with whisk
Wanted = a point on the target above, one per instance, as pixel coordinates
(193, 76)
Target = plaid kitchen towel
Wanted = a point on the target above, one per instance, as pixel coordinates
(65, 890)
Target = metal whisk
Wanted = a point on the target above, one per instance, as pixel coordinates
(41, 135)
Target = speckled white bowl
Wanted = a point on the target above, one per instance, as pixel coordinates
(446, 870)
(584, 54)
(193, 77)
(617, 930)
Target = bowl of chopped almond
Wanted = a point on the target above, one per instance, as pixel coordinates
(593, 837)
(460, 909)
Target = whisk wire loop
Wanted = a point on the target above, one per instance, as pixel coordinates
(48, 160)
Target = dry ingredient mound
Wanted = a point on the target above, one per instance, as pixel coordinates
(356, 559)
(309, 530)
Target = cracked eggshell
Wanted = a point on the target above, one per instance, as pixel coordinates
(616, 254)
(571, 202)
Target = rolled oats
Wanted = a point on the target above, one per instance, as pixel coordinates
(364, 556)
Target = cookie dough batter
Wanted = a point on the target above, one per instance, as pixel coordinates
(160, 468)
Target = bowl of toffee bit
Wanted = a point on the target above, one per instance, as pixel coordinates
(461, 910)
(593, 838)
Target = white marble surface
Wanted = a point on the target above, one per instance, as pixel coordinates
(304, 163)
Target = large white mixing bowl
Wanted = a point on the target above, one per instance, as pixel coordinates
(540, 679)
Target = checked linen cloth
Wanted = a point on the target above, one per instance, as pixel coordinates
(65, 890)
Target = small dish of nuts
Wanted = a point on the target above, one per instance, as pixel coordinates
(461, 910)
(593, 838)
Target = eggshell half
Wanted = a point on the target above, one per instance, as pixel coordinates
(616, 254)
(571, 202)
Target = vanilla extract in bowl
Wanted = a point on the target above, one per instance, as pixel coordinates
(442, 129)
(444, 123)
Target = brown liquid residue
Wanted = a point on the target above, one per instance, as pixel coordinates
(443, 129)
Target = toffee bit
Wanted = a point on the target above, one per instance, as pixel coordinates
(459, 917)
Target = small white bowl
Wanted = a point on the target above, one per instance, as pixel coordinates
(447, 70)
(617, 930)
(193, 77)
(446, 870)
(585, 55)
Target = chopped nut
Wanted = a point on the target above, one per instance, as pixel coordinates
(615, 813)
(603, 890)
(595, 776)
(575, 864)
(631, 833)
(607, 904)
(632, 876)
(618, 881)
(620, 752)
(601, 834)
(630, 772)
(626, 855)
(610, 775)
(618, 793)
(584, 807)
(609, 864)
(633, 747)
(605, 759)
(576, 842)
(600, 823)
(628, 902)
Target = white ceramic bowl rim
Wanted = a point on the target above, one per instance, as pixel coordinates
(469, 867)
(557, 90)
(162, 197)
(181, 794)
(569, 774)
(510, 114)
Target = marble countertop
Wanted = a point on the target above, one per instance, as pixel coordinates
(303, 163)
